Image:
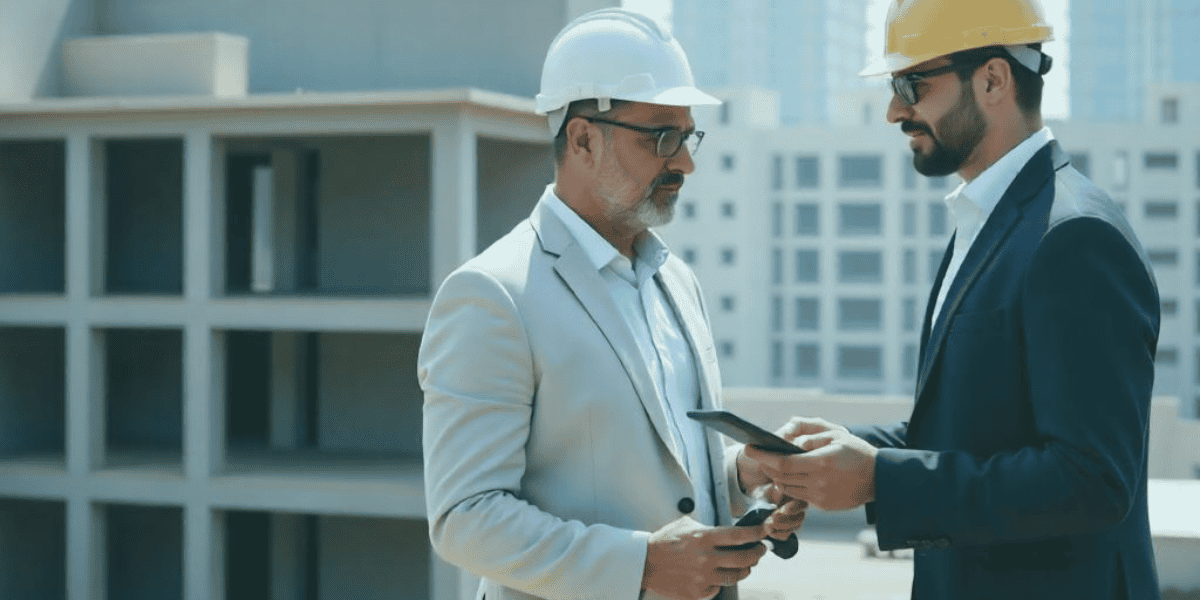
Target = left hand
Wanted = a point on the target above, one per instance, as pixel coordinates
(836, 472)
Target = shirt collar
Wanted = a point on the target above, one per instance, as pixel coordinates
(650, 250)
(987, 189)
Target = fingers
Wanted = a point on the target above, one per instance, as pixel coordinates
(786, 519)
(730, 576)
(814, 441)
(733, 536)
(799, 426)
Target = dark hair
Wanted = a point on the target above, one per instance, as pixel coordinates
(1028, 83)
(589, 108)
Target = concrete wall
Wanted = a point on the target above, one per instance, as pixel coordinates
(374, 559)
(145, 389)
(144, 196)
(368, 44)
(32, 216)
(373, 208)
(36, 569)
(145, 553)
(31, 33)
(32, 408)
(512, 177)
(369, 395)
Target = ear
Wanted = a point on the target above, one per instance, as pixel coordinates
(582, 141)
(994, 82)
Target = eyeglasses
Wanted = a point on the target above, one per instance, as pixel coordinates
(670, 139)
(905, 86)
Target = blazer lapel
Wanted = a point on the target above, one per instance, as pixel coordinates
(584, 281)
(691, 317)
(1031, 179)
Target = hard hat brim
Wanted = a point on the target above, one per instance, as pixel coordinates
(891, 63)
(677, 96)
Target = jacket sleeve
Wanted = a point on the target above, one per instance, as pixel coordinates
(1089, 323)
(478, 375)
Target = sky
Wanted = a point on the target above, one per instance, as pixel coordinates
(1054, 101)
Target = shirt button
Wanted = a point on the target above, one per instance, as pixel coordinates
(686, 505)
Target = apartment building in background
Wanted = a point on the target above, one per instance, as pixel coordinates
(817, 245)
(810, 52)
(1121, 49)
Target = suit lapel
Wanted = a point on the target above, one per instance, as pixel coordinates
(1031, 179)
(585, 282)
(691, 316)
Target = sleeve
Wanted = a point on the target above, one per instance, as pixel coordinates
(880, 436)
(1090, 326)
(739, 502)
(477, 371)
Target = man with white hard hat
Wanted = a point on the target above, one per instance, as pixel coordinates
(558, 365)
(1021, 472)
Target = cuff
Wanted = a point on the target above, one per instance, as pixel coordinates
(739, 502)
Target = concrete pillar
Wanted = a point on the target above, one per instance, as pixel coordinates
(87, 577)
(198, 207)
(203, 553)
(84, 352)
(453, 218)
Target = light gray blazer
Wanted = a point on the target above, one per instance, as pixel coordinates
(548, 458)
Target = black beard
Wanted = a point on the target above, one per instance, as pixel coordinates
(963, 128)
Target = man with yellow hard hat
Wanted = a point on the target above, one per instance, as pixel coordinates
(1021, 472)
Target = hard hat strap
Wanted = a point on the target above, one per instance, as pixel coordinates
(1030, 58)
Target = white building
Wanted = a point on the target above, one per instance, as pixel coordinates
(810, 51)
(1120, 49)
(817, 245)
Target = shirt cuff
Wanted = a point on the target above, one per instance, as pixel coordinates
(739, 502)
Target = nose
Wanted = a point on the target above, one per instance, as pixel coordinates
(682, 161)
(897, 110)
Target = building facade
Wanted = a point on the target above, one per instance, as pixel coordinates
(817, 245)
(810, 51)
(1120, 49)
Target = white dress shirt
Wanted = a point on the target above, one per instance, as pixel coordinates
(972, 203)
(664, 346)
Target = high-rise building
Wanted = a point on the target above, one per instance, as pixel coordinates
(1119, 49)
(817, 245)
(810, 51)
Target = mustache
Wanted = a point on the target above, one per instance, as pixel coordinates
(911, 126)
(669, 179)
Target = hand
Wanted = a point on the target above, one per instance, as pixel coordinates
(788, 516)
(684, 561)
(750, 474)
(836, 473)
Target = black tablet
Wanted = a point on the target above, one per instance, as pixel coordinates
(743, 431)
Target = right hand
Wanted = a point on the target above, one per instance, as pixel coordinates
(685, 561)
(798, 426)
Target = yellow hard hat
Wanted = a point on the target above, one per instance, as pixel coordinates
(920, 30)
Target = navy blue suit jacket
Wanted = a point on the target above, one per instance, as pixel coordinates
(1022, 470)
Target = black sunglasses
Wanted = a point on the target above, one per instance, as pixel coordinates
(905, 86)
(670, 139)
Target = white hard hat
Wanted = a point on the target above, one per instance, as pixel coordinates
(615, 54)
